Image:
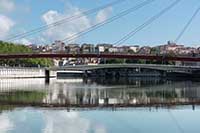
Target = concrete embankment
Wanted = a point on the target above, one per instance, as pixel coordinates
(63, 74)
(125, 73)
(11, 72)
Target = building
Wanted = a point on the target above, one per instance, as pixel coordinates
(87, 48)
(103, 47)
(100, 49)
(72, 48)
(113, 50)
(124, 49)
(170, 47)
(144, 50)
(58, 46)
(186, 51)
(135, 48)
(35, 48)
(198, 50)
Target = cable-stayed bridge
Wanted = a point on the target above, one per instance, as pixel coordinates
(120, 42)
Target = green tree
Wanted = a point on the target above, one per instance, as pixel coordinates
(115, 61)
(10, 48)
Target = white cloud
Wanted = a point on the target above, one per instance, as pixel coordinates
(5, 123)
(5, 26)
(23, 41)
(6, 5)
(63, 121)
(103, 14)
(67, 29)
(70, 28)
(54, 121)
(100, 129)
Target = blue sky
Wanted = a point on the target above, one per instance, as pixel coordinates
(18, 16)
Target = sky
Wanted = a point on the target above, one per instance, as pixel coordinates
(20, 16)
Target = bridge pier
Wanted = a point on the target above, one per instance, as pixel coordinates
(85, 74)
(47, 76)
(164, 74)
(138, 70)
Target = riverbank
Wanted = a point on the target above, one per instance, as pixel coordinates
(21, 72)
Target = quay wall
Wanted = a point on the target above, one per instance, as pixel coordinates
(129, 72)
(10, 72)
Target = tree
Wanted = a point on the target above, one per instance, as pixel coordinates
(10, 48)
(114, 61)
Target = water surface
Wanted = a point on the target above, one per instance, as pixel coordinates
(99, 106)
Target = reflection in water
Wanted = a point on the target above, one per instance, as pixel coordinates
(21, 84)
(140, 120)
(137, 81)
(99, 92)
(78, 95)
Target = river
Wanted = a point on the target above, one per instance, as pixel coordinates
(122, 105)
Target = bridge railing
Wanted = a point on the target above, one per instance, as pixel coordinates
(121, 56)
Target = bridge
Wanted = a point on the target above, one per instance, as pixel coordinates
(145, 66)
(119, 42)
(128, 70)
(101, 55)
(120, 69)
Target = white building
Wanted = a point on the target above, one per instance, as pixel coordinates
(101, 49)
(134, 48)
(113, 50)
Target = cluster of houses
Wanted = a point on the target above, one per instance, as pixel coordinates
(60, 47)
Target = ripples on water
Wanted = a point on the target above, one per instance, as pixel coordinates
(99, 105)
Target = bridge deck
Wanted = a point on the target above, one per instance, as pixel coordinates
(101, 55)
(147, 66)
